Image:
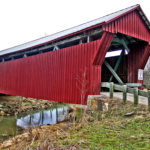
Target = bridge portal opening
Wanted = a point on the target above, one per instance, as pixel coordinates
(122, 60)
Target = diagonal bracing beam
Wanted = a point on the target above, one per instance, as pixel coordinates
(113, 72)
(124, 42)
(117, 64)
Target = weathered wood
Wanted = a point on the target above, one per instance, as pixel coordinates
(125, 89)
(113, 72)
(143, 93)
(118, 87)
(99, 104)
(55, 48)
(111, 89)
(105, 84)
(125, 45)
(88, 39)
(117, 64)
(124, 93)
(133, 84)
(130, 90)
(136, 97)
(122, 40)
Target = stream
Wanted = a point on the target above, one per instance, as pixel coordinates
(10, 126)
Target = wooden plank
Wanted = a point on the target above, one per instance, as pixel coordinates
(105, 84)
(143, 93)
(133, 84)
(113, 72)
(118, 87)
(130, 90)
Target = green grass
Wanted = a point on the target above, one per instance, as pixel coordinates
(135, 135)
(114, 132)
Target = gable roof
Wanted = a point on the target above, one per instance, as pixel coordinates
(74, 30)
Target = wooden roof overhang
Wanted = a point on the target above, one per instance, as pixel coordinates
(82, 33)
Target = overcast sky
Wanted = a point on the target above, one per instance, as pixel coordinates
(25, 20)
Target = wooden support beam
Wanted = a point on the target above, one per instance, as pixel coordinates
(80, 41)
(62, 42)
(113, 72)
(124, 94)
(136, 97)
(55, 48)
(25, 55)
(111, 89)
(122, 40)
(117, 64)
(88, 39)
(133, 84)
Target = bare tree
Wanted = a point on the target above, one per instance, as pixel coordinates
(82, 83)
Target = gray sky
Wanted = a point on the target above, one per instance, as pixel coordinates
(26, 20)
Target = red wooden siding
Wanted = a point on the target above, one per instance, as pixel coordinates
(137, 59)
(145, 57)
(130, 24)
(96, 80)
(98, 59)
(56, 75)
(104, 45)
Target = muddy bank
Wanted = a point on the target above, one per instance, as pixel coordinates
(11, 126)
(54, 131)
(14, 105)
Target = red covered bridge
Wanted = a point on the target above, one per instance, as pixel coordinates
(69, 65)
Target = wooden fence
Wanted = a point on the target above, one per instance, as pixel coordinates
(125, 89)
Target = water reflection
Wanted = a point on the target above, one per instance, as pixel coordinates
(45, 117)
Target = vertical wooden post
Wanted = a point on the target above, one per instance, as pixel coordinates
(124, 94)
(111, 89)
(149, 100)
(136, 98)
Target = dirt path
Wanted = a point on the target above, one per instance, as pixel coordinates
(142, 100)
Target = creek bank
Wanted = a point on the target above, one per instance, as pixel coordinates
(14, 105)
(92, 132)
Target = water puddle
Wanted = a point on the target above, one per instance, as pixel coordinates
(46, 117)
(10, 126)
